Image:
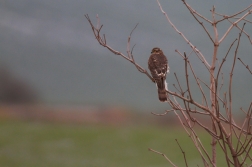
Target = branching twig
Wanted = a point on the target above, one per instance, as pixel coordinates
(232, 16)
(102, 41)
(229, 29)
(244, 32)
(163, 156)
(180, 33)
(201, 23)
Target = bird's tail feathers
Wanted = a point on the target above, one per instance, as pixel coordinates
(162, 88)
(162, 95)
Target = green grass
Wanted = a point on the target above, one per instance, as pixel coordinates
(30, 144)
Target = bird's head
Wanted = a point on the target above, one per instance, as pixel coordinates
(156, 50)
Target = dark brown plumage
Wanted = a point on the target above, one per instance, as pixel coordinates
(158, 66)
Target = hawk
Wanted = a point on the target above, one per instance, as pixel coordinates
(158, 66)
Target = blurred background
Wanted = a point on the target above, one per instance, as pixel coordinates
(62, 95)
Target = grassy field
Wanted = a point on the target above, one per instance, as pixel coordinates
(30, 144)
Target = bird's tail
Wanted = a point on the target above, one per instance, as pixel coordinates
(162, 94)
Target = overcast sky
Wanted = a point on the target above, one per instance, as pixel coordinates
(50, 45)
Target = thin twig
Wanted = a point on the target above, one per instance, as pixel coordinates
(163, 156)
(182, 152)
(187, 76)
(179, 53)
(192, 11)
(232, 16)
(129, 51)
(222, 82)
(196, 79)
(223, 60)
(230, 81)
(181, 90)
(195, 12)
(247, 67)
(162, 114)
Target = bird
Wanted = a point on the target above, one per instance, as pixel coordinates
(158, 66)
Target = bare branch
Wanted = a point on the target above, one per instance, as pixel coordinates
(181, 90)
(193, 135)
(196, 79)
(247, 154)
(187, 80)
(209, 88)
(245, 15)
(102, 41)
(179, 53)
(163, 156)
(187, 41)
(224, 59)
(129, 51)
(162, 114)
(232, 16)
(230, 81)
(245, 65)
(242, 31)
(182, 152)
(236, 25)
(193, 12)
(243, 126)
